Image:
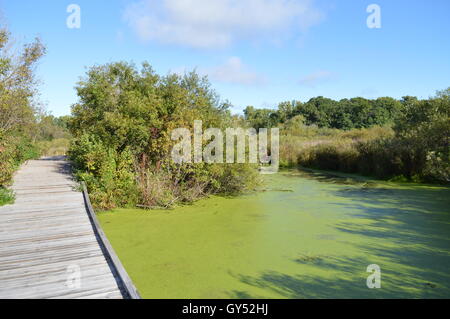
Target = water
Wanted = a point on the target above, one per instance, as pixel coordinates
(306, 236)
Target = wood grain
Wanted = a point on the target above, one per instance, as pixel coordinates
(47, 231)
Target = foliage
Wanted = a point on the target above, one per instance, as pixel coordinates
(260, 118)
(54, 147)
(327, 113)
(26, 132)
(424, 127)
(6, 196)
(108, 174)
(416, 149)
(17, 84)
(122, 129)
(52, 134)
(51, 128)
(17, 103)
(14, 150)
(186, 184)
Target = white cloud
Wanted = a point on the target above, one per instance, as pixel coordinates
(218, 23)
(231, 71)
(314, 78)
(235, 72)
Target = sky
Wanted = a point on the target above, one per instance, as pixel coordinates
(255, 52)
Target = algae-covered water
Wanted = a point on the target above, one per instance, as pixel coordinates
(306, 235)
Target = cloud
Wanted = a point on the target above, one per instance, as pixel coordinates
(314, 78)
(231, 71)
(219, 23)
(235, 72)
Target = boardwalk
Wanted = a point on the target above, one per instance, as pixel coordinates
(47, 235)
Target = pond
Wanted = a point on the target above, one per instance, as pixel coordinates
(306, 235)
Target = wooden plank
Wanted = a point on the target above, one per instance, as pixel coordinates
(48, 229)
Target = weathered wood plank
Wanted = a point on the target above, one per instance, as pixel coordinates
(48, 230)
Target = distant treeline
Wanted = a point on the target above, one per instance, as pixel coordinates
(345, 114)
(385, 138)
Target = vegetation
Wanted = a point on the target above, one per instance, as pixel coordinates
(122, 144)
(412, 144)
(25, 131)
(327, 113)
(53, 137)
(6, 196)
(17, 104)
(121, 127)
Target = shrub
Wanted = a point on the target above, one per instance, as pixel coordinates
(14, 150)
(107, 173)
(122, 128)
(53, 147)
(416, 149)
(6, 196)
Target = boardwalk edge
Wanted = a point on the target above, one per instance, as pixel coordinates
(114, 260)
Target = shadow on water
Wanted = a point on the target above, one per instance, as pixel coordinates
(350, 283)
(407, 234)
(326, 177)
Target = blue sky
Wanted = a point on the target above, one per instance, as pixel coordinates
(255, 52)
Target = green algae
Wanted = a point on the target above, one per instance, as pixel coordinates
(313, 241)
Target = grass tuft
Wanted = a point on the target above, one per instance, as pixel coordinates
(6, 196)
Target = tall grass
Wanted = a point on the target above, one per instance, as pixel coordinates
(329, 149)
(375, 152)
(6, 196)
(416, 148)
(54, 147)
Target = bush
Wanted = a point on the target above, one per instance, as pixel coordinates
(416, 149)
(384, 156)
(17, 103)
(14, 150)
(6, 196)
(122, 128)
(108, 174)
(54, 147)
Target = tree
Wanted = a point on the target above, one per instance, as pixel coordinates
(318, 111)
(18, 103)
(17, 84)
(261, 118)
(424, 125)
(286, 111)
(122, 127)
(386, 110)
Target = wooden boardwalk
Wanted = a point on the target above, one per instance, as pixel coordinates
(46, 237)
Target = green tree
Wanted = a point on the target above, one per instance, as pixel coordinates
(318, 111)
(424, 125)
(18, 103)
(122, 127)
(261, 118)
